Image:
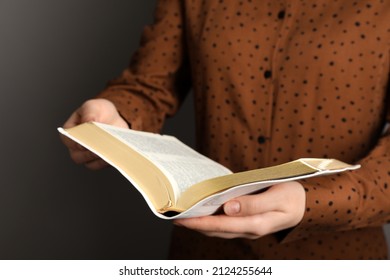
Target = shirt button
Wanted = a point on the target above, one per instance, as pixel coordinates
(281, 14)
(267, 74)
(261, 139)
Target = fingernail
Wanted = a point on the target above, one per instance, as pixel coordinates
(232, 207)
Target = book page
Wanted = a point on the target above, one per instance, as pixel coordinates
(182, 165)
(252, 181)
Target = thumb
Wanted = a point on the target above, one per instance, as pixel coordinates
(101, 110)
(89, 112)
(249, 205)
(232, 208)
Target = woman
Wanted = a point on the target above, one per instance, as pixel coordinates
(273, 81)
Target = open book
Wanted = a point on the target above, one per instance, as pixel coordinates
(178, 182)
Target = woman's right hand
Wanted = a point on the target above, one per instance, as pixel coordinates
(94, 110)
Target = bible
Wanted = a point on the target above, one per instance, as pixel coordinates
(178, 182)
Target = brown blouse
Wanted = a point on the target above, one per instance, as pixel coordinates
(274, 81)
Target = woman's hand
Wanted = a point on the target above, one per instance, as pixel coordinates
(252, 216)
(98, 110)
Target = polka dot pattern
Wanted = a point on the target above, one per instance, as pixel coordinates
(274, 81)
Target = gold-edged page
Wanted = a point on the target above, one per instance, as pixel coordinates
(246, 182)
(143, 174)
(182, 165)
(328, 164)
(215, 185)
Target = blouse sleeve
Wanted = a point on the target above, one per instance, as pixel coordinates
(349, 200)
(157, 78)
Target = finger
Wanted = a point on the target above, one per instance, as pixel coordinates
(83, 156)
(100, 110)
(281, 197)
(70, 144)
(96, 164)
(219, 223)
(231, 227)
(89, 111)
(249, 205)
(73, 120)
(228, 235)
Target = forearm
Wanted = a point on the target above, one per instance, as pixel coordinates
(157, 78)
(348, 200)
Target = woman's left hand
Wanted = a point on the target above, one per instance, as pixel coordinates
(280, 207)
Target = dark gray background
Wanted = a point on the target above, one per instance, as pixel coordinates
(55, 54)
